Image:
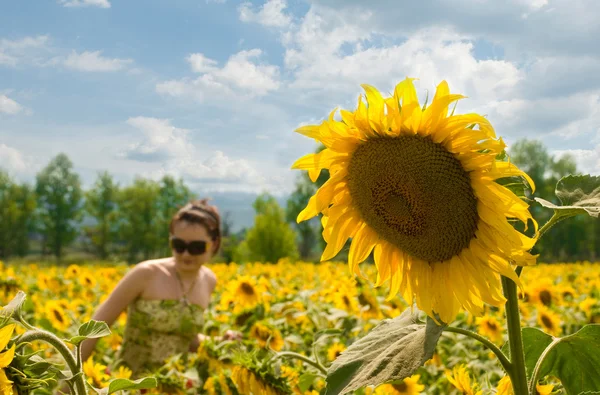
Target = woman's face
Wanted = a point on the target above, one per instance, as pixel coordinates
(191, 232)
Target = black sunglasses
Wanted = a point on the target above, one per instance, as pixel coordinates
(195, 247)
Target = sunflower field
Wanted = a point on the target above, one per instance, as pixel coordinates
(296, 319)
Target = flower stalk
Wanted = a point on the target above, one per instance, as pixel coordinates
(517, 373)
(69, 358)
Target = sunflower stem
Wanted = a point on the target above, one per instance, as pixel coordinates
(556, 218)
(291, 354)
(69, 358)
(538, 365)
(517, 373)
(501, 357)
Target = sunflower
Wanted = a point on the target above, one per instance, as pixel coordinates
(543, 292)
(95, 373)
(460, 379)
(249, 383)
(335, 350)
(418, 189)
(549, 320)
(489, 326)
(72, 271)
(505, 388)
(408, 386)
(243, 293)
(267, 335)
(6, 357)
(122, 373)
(56, 314)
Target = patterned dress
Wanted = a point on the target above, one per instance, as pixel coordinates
(156, 330)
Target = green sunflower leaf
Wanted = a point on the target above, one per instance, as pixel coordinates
(125, 384)
(578, 194)
(306, 380)
(90, 330)
(575, 360)
(393, 350)
(14, 306)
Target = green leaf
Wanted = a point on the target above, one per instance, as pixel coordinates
(90, 330)
(393, 350)
(578, 195)
(125, 384)
(305, 381)
(14, 306)
(516, 185)
(575, 360)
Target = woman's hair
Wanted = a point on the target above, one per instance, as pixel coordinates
(200, 212)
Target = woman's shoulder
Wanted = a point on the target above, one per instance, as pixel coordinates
(153, 265)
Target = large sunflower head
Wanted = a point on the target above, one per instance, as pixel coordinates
(417, 187)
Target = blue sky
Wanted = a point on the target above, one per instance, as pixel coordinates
(212, 90)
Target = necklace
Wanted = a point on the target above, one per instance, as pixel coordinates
(184, 297)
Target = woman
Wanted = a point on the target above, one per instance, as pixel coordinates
(165, 298)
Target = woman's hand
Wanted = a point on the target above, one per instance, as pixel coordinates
(232, 335)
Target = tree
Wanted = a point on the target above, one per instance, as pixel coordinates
(101, 205)
(25, 202)
(574, 238)
(307, 232)
(138, 225)
(271, 238)
(59, 195)
(172, 195)
(229, 240)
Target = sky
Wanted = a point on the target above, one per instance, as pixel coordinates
(212, 90)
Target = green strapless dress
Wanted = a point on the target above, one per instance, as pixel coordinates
(156, 330)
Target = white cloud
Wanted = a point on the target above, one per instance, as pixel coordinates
(270, 14)
(9, 106)
(94, 62)
(588, 160)
(173, 149)
(85, 3)
(201, 64)
(242, 76)
(12, 159)
(162, 140)
(26, 49)
(326, 51)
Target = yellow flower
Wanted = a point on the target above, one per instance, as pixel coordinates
(549, 321)
(250, 384)
(459, 378)
(418, 189)
(409, 386)
(267, 335)
(210, 387)
(243, 293)
(489, 326)
(291, 375)
(505, 388)
(57, 316)
(72, 271)
(223, 385)
(122, 373)
(6, 358)
(335, 350)
(543, 292)
(95, 373)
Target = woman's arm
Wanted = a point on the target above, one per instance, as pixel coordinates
(228, 335)
(127, 290)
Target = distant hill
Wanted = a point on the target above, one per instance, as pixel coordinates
(239, 205)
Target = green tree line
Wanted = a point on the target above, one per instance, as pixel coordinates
(113, 221)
